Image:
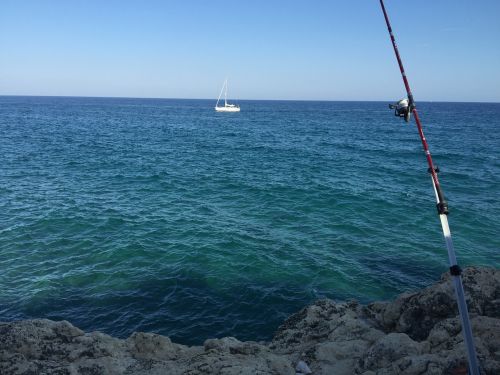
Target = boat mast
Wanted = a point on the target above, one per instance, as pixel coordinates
(225, 95)
(222, 89)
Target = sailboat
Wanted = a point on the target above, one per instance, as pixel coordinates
(227, 107)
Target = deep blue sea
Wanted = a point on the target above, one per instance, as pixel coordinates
(125, 215)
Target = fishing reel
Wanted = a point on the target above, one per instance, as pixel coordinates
(402, 109)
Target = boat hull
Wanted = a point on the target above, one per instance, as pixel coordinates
(227, 109)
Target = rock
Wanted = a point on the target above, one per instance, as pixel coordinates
(234, 346)
(389, 349)
(482, 287)
(341, 350)
(418, 333)
(417, 313)
(302, 368)
(338, 357)
(152, 346)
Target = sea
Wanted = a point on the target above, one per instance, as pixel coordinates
(161, 215)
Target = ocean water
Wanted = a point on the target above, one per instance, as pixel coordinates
(125, 215)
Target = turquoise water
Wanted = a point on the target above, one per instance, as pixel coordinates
(162, 215)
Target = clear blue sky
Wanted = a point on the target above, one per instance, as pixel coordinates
(330, 50)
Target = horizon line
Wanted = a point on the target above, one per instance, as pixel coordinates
(268, 100)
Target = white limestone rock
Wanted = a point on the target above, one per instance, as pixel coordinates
(418, 333)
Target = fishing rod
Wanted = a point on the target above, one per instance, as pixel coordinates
(405, 108)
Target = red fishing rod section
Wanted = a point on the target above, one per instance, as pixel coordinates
(442, 206)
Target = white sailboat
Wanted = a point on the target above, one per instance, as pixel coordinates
(227, 107)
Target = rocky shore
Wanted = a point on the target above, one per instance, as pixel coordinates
(418, 333)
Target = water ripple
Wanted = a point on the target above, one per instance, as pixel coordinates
(160, 215)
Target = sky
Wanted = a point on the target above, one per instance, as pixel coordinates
(292, 50)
